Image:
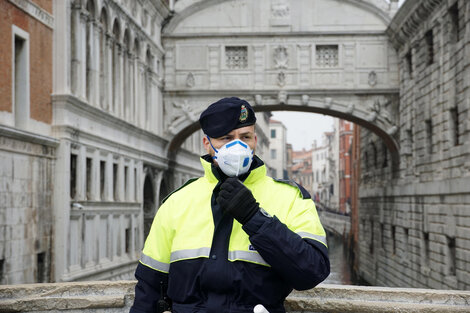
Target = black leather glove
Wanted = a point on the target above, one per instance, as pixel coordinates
(237, 200)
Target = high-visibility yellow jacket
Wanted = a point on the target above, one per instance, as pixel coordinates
(208, 262)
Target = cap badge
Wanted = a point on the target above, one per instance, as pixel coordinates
(243, 114)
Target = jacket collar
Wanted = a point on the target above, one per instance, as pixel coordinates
(214, 174)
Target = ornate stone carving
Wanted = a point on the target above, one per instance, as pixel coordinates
(178, 113)
(281, 57)
(190, 80)
(372, 79)
(282, 97)
(280, 10)
(281, 79)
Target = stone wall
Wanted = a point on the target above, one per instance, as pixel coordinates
(26, 184)
(416, 233)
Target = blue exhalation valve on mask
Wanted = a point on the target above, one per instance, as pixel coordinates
(234, 158)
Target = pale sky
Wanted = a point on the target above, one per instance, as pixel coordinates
(303, 128)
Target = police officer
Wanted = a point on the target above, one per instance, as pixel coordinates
(234, 238)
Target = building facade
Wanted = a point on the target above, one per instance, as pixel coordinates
(277, 160)
(344, 169)
(413, 222)
(27, 151)
(301, 169)
(320, 171)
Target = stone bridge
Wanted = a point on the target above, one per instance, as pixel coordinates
(288, 58)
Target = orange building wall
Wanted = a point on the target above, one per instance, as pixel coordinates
(40, 59)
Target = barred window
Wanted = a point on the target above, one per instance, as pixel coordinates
(327, 55)
(236, 57)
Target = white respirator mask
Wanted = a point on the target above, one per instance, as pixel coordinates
(234, 158)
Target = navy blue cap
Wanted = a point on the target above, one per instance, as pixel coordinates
(225, 115)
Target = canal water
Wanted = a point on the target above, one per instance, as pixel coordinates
(340, 269)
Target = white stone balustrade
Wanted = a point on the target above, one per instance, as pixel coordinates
(114, 297)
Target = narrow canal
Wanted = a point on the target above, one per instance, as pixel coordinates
(340, 269)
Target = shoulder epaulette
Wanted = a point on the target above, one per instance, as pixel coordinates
(189, 181)
(303, 191)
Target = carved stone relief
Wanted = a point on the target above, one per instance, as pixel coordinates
(281, 57)
(190, 80)
(179, 113)
(281, 79)
(280, 9)
(372, 78)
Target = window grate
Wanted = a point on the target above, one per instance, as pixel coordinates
(327, 55)
(236, 57)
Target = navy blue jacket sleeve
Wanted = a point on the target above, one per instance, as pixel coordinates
(148, 289)
(302, 263)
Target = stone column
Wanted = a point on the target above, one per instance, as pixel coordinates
(136, 92)
(349, 54)
(143, 95)
(304, 64)
(109, 73)
(258, 68)
(81, 54)
(61, 210)
(95, 64)
(214, 76)
(103, 62)
(170, 67)
(121, 88)
(76, 49)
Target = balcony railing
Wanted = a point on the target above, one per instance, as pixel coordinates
(117, 297)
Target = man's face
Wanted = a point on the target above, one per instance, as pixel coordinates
(245, 134)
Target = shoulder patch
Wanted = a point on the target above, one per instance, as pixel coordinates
(191, 180)
(303, 191)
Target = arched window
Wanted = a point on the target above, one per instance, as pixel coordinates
(115, 65)
(103, 60)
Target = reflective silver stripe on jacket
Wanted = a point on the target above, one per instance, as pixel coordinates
(157, 265)
(189, 254)
(246, 256)
(322, 239)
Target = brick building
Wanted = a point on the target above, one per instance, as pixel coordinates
(27, 150)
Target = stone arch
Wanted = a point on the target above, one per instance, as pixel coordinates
(190, 7)
(379, 123)
(92, 9)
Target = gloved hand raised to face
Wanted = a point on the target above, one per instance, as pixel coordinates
(237, 200)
